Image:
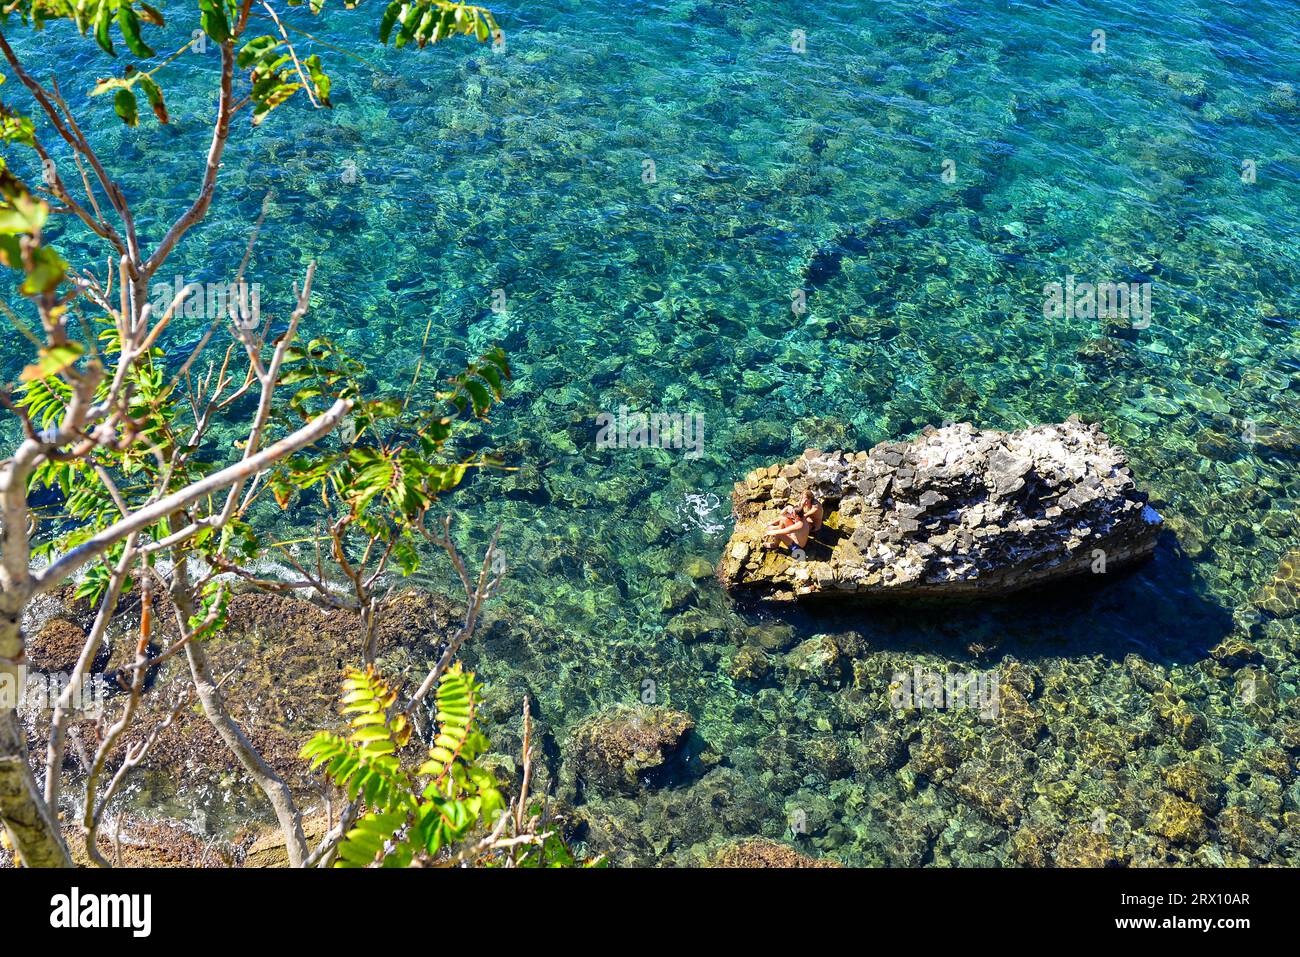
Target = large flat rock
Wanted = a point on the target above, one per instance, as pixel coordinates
(955, 513)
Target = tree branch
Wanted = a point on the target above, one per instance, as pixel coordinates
(164, 507)
(220, 133)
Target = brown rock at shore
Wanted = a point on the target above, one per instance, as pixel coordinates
(268, 849)
(144, 843)
(57, 647)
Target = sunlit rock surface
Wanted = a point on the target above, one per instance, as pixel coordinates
(763, 853)
(957, 512)
(1281, 596)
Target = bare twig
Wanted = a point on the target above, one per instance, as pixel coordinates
(477, 594)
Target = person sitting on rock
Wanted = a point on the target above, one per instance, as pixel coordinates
(811, 509)
(790, 527)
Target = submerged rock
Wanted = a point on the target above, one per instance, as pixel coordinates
(1187, 725)
(267, 848)
(1281, 596)
(761, 852)
(695, 624)
(1083, 845)
(817, 659)
(1181, 822)
(1246, 834)
(137, 843)
(1235, 651)
(955, 513)
(749, 663)
(619, 748)
(1194, 782)
(698, 568)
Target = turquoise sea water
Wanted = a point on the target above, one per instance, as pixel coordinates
(445, 175)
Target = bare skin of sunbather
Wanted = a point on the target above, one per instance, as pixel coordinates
(791, 528)
(811, 510)
(795, 523)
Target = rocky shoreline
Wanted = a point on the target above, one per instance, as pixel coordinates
(1091, 760)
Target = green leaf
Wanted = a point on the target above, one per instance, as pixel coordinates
(48, 270)
(253, 51)
(124, 105)
(429, 21)
(23, 214)
(128, 21)
(319, 79)
(408, 25)
(16, 128)
(482, 401)
(493, 377)
(94, 585)
(102, 20)
(213, 20)
(53, 360)
(390, 18)
(154, 93)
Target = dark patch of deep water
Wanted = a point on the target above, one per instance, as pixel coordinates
(446, 175)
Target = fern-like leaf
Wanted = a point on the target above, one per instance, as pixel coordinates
(364, 763)
(400, 820)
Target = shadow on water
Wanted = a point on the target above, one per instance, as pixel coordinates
(1157, 611)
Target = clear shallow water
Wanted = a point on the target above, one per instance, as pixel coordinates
(820, 171)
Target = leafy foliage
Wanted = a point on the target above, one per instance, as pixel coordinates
(274, 74)
(125, 103)
(96, 18)
(407, 812)
(15, 128)
(117, 429)
(216, 16)
(275, 77)
(84, 504)
(428, 21)
(384, 477)
(22, 218)
(480, 383)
